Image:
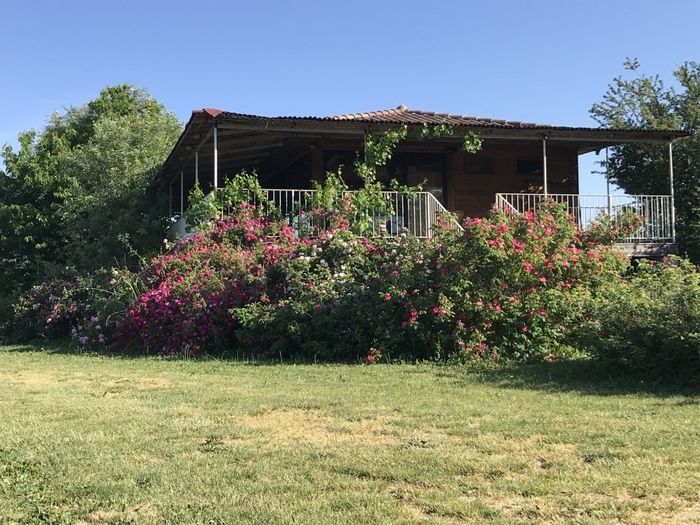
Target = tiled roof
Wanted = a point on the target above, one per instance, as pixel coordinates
(404, 115)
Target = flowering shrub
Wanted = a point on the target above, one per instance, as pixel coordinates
(84, 308)
(47, 310)
(513, 285)
(191, 290)
(508, 286)
(648, 322)
(344, 297)
(607, 229)
(505, 287)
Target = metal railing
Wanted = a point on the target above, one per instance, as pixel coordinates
(414, 213)
(654, 210)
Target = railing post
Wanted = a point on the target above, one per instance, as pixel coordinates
(673, 201)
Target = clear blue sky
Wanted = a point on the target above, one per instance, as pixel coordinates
(542, 61)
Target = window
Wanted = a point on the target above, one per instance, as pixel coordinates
(478, 166)
(529, 167)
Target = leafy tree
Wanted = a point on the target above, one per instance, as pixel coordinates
(30, 194)
(69, 193)
(644, 101)
(108, 203)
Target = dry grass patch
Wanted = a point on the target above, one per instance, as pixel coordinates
(293, 427)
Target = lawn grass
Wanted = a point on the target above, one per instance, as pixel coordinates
(95, 440)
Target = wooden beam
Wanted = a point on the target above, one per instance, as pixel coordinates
(317, 167)
(455, 168)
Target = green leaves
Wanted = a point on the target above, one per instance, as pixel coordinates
(649, 322)
(72, 189)
(472, 142)
(644, 101)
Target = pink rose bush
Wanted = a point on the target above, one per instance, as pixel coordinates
(507, 286)
(514, 285)
(190, 291)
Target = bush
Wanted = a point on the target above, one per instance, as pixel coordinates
(649, 323)
(507, 286)
(85, 308)
(345, 297)
(515, 285)
(190, 291)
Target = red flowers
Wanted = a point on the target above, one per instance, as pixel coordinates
(411, 318)
(518, 246)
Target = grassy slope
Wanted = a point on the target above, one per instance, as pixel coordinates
(91, 439)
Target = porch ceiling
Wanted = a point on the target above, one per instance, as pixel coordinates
(244, 137)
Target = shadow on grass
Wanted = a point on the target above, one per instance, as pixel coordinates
(64, 348)
(585, 376)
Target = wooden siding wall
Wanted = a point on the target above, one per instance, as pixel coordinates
(474, 179)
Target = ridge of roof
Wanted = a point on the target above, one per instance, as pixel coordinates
(416, 116)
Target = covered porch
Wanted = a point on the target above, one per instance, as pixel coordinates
(519, 166)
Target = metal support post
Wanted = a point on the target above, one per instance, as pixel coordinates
(607, 181)
(196, 167)
(182, 193)
(544, 164)
(216, 157)
(673, 200)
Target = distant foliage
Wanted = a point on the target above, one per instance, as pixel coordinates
(646, 101)
(649, 322)
(75, 193)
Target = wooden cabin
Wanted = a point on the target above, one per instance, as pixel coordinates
(519, 162)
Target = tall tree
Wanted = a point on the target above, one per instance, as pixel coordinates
(108, 209)
(645, 101)
(71, 193)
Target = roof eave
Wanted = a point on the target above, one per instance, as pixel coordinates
(589, 139)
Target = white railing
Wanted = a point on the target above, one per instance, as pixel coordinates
(414, 213)
(654, 210)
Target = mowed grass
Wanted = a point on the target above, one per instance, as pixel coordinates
(96, 440)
